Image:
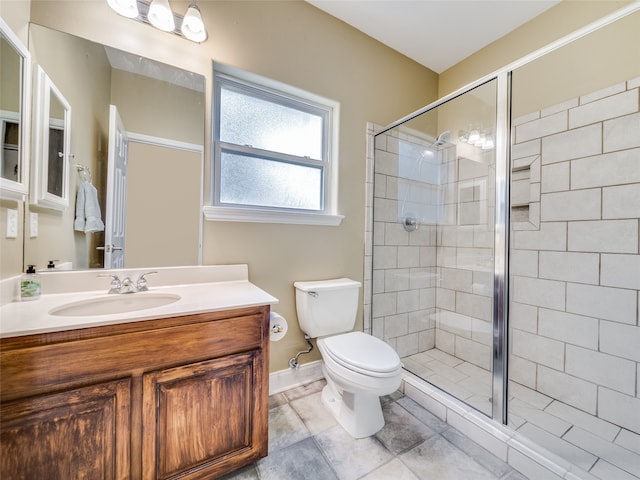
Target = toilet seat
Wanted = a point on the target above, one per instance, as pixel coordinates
(362, 353)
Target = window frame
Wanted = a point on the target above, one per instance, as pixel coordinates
(283, 95)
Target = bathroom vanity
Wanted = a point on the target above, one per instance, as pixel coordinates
(147, 397)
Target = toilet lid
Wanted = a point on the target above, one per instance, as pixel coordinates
(357, 349)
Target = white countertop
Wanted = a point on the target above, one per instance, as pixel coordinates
(211, 290)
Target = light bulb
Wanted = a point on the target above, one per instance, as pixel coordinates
(126, 8)
(161, 16)
(474, 136)
(192, 25)
(488, 143)
(480, 141)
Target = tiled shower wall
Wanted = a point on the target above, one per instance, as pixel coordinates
(404, 263)
(432, 287)
(575, 263)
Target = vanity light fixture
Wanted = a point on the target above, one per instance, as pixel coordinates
(161, 16)
(477, 138)
(158, 13)
(126, 8)
(192, 24)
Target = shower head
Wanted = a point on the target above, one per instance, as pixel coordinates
(443, 138)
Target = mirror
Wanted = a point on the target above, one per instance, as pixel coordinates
(52, 132)
(14, 120)
(163, 111)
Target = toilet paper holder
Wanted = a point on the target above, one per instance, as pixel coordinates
(277, 326)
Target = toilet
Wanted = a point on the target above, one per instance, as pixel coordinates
(358, 368)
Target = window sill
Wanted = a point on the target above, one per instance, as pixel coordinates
(226, 214)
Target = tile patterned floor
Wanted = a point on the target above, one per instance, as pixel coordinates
(461, 379)
(598, 447)
(306, 443)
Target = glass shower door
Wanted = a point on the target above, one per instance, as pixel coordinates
(434, 244)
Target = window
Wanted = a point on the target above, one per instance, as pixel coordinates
(274, 152)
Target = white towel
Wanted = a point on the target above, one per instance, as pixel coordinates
(88, 217)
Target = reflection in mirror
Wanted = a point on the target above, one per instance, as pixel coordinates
(14, 91)
(10, 167)
(56, 153)
(163, 111)
(50, 174)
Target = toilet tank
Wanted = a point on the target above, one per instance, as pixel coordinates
(327, 307)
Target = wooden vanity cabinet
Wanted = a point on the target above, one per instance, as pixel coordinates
(183, 397)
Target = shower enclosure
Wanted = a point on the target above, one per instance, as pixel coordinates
(434, 244)
(504, 248)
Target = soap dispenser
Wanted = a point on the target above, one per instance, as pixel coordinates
(30, 284)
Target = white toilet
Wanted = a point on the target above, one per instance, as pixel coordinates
(358, 368)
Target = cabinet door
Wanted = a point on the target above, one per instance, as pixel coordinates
(81, 433)
(204, 419)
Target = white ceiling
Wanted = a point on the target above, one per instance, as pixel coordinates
(435, 33)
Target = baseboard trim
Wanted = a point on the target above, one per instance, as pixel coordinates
(294, 377)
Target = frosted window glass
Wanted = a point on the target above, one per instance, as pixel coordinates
(257, 181)
(247, 120)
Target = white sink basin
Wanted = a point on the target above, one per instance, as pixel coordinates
(113, 304)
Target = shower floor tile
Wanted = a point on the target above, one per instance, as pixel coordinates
(305, 443)
(603, 449)
(464, 380)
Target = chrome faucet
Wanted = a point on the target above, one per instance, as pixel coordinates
(126, 285)
(141, 283)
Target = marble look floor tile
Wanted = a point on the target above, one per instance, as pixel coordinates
(277, 400)
(391, 397)
(417, 368)
(351, 458)
(306, 443)
(395, 470)
(285, 428)
(476, 452)
(513, 475)
(300, 461)
(444, 357)
(551, 423)
(446, 371)
(436, 458)
(313, 413)
(402, 430)
(304, 390)
(425, 416)
(481, 403)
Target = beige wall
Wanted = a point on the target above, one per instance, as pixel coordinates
(548, 27)
(581, 67)
(170, 111)
(10, 248)
(295, 43)
(16, 15)
(163, 205)
(9, 77)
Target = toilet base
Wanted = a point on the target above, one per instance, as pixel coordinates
(360, 414)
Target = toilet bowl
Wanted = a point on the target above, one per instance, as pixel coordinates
(358, 368)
